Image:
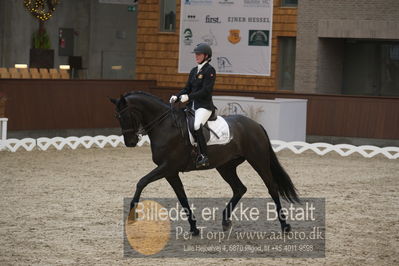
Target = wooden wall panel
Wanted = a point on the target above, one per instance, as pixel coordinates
(64, 104)
(334, 115)
(68, 104)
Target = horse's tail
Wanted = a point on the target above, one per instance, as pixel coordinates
(285, 187)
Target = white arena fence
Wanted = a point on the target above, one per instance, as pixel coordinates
(87, 142)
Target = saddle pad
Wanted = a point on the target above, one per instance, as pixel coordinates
(221, 128)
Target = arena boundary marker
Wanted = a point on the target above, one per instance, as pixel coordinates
(87, 142)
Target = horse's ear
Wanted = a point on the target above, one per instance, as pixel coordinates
(122, 100)
(114, 101)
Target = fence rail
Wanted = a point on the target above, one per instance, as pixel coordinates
(366, 151)
(29, 144)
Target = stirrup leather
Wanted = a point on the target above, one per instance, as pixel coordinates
(202, 161)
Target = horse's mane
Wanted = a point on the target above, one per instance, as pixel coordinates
(145, 94)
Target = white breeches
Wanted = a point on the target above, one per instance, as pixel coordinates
(201, 116)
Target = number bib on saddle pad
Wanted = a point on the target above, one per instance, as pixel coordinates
(216, 132)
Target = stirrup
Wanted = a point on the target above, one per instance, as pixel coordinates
(202, 161)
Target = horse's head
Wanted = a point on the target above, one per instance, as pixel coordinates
(128, 119)
(138, 113)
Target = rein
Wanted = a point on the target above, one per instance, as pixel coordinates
(147, 128)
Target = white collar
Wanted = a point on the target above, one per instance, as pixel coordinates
(201, 65)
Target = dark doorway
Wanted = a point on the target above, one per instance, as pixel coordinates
(371, 68)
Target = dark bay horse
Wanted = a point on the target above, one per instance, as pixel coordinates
(140, 112)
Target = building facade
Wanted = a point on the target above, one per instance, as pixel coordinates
(157, 50)
(348, 47)
(318, 46)
(342, 56)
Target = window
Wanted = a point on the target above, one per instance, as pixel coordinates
(371, 68)
(168, 15)
(287, 63)
(389, 62)
(289, 3)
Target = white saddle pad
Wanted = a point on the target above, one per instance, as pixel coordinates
(221, 128)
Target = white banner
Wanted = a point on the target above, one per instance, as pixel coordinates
(239, 32)
(119, 2)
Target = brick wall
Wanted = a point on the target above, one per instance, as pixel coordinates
(157, 52)
(368, 19)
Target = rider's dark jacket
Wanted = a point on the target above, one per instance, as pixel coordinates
(199, 87)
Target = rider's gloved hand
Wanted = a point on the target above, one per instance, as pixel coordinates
(184, 98)
(173, 99)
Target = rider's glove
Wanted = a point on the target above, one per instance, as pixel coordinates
(184, 98)
(173, 99)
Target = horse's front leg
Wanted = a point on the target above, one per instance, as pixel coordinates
(154, 175)
(177, 185)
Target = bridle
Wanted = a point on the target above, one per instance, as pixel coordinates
(144, 129)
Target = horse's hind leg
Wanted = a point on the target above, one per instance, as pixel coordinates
(229, 173)
(262, 167)
(178, 187)
(281, 217)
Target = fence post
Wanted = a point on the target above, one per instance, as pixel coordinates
(3, 126)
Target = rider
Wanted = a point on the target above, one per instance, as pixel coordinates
(198, 94)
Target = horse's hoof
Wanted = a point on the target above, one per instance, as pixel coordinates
(286, 228)
(133, 215)
(195, 232)
(226, 225)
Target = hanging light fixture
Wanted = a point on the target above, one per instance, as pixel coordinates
(41, 9)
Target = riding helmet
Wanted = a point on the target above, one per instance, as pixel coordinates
(203, 48)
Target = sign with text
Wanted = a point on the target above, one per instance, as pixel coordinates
(161, 229)
(238, 32)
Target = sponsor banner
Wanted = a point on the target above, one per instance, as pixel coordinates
(238, 31)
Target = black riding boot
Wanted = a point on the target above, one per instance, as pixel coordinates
(202, 159)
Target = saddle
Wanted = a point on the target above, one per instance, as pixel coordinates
(190, 117)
